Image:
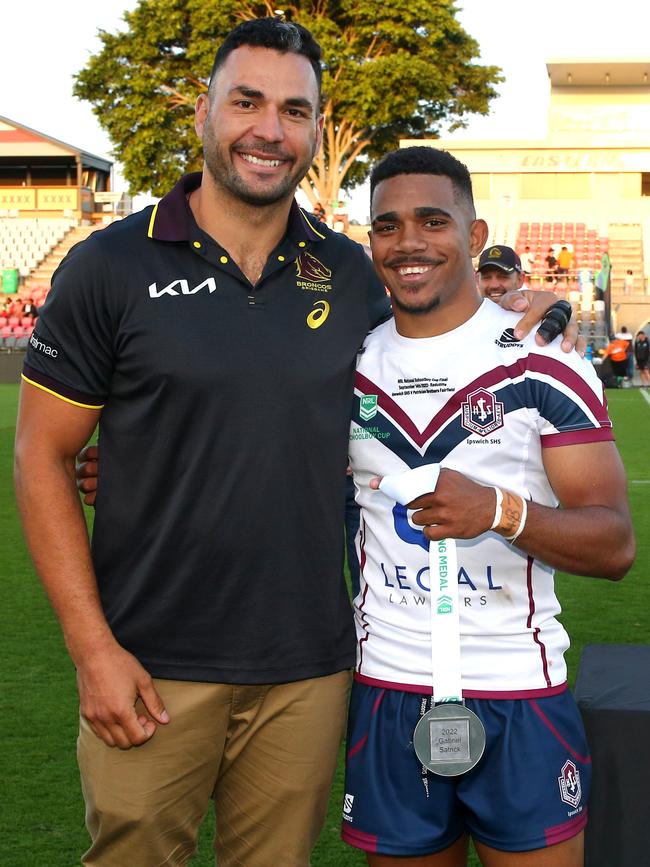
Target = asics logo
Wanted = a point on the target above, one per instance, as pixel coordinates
(319, 314)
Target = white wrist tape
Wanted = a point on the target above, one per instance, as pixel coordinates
(497, 510)
(408, 486)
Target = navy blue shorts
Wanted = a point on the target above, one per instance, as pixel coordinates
(529, 790)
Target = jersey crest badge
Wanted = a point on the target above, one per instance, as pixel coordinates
(481, 413)
(570, 786)
(367, 407)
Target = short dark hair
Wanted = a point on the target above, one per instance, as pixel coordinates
(283, 36)
(424, 161)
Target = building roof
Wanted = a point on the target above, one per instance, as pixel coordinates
(18, 140)
(612, 72)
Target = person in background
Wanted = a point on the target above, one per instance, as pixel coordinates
(564, 261)
(30, 308)
(642, 357)
(551, 264)
(617, 351)
(628, 284)
(499, 270)
(624, 334)
(527, 264)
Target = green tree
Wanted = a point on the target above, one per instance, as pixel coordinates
(392, 70)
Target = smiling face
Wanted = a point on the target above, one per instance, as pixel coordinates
(493, 282)
(423, 238)
(260, 124)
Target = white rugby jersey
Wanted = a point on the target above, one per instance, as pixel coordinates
(477, 401)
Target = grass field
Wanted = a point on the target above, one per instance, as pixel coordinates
(41, 810)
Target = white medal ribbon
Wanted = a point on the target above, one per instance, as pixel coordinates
(443, 579)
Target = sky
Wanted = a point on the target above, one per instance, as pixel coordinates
(45, 44)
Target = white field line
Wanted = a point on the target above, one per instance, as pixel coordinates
(644, 395)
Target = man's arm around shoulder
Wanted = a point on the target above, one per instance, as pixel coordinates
(49, 434)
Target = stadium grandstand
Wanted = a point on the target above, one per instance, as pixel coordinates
(585, 187)
(52, 195)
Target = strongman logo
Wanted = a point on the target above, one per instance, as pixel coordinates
(569, 782)
(481, 413)
(367, 407)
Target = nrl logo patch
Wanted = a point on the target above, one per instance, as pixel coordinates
(368, 407)
(311, 274)
(570, 786)
(481, 413)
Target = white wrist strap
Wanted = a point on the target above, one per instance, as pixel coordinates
(497, 511)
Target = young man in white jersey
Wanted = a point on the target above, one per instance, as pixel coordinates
(518, 429)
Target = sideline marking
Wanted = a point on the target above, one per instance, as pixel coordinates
(644, 395)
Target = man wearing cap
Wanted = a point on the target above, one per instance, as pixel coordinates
(499, 271)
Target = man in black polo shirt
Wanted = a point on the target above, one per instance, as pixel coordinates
(216, 336)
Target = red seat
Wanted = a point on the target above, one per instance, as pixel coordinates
(26, 321)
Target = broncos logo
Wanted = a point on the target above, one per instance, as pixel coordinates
(309, 268)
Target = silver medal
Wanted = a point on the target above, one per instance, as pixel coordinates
(449, 739)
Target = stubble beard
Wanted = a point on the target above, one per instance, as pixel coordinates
(226, 176)
(415, 310)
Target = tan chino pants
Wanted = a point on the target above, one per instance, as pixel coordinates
(265, 754)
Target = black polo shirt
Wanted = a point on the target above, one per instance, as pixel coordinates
(218, 532)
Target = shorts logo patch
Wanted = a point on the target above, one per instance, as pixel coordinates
(348, 801)
(481, 413)
(368, 406)
(570, 786)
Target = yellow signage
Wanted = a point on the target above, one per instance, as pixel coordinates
(57, 199)
(17, 199)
